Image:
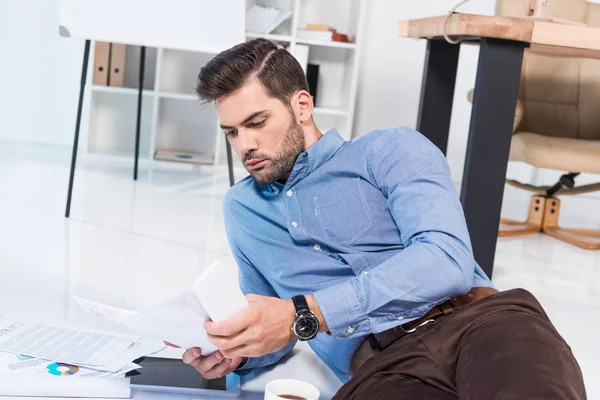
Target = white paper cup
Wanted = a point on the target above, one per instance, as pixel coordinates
(276, 388)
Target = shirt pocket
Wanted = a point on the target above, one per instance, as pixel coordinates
(344, 213)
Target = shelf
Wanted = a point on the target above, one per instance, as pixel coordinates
(324, 43)
(330, 111)
(178, 96)
(178, 129)
(274, 38)
(112, 125)
(185, 127)
(122, 90)
(179, 70)
(184, 157)
(132, 67)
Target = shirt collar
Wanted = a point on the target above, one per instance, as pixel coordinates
(311, 159)
(323, 149)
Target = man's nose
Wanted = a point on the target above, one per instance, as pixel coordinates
(247, 142)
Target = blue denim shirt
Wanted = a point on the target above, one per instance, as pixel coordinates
(372, 227)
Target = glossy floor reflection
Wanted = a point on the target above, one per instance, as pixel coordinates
(137, 244)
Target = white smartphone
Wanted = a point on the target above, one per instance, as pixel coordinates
(219, 292)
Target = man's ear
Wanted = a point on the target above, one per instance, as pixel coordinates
(303, 106)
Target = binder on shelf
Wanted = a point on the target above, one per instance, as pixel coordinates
(101, 63)
(116, 76)
(312, 76)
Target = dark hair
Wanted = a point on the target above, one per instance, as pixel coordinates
(277, 70)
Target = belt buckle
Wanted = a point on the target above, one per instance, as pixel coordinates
(413, 330)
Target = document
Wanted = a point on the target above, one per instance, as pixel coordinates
(180, 321)
(60, 344)
(139, 349)
(21, 375)
(214, 296)
(19, 365)
(76, 347)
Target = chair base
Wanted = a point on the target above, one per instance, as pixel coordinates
(543, 217)
(584, 238)
(509, 227)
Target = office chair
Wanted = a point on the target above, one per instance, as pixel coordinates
(557, 124)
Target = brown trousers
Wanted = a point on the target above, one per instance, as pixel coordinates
(501, 347)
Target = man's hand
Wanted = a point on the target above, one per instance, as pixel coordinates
(262, 328)
(212, 367)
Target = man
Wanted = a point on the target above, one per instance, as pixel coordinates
(362, 249)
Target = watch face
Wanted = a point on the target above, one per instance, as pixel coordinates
(306, 327)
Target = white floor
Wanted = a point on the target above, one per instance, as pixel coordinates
(137, 244)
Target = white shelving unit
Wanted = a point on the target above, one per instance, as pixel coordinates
(177, 127)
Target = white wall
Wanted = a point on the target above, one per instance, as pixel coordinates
(39, 74)
(392, 72)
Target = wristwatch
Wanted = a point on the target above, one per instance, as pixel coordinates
(306, 325)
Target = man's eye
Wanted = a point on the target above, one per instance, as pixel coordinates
(231, 133)
(257, 124)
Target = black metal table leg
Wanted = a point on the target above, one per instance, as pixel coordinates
(490, 133)
(86, 57)
(437, 92)
(229, 163)
(139, 112)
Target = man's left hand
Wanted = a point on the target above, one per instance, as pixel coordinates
(262, 328)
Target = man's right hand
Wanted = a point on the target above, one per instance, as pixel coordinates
(212, 367)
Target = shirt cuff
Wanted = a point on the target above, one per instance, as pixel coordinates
(247, 368)
(342, 311)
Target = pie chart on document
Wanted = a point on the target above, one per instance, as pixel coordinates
(60, 369)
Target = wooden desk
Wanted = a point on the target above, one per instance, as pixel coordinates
(503, 41)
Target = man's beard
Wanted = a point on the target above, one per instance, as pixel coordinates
(281, 164)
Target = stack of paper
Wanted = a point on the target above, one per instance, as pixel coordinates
(82, 348)
(315, 34)
(44, 360)
(25, 376)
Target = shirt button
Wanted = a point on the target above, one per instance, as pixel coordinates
(401, 318)
(365, 273)
(294, 224)
(289, 193)
(350, 330)
(317, 247)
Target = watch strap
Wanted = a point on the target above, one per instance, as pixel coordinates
(300, 304)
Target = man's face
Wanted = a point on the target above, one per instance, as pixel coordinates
(262, 131)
